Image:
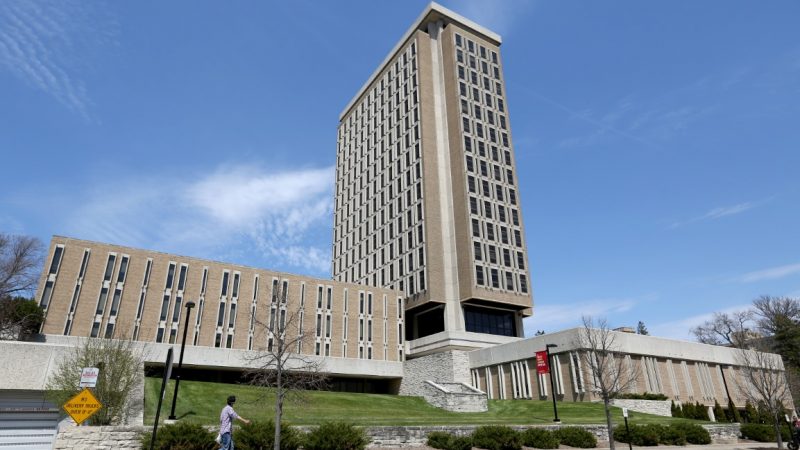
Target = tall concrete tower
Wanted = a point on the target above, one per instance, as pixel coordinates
(427, 200)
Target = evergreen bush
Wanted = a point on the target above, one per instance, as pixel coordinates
(640, 435)
(539, 438)
(496, 437)
(762, 432)
(719, 413)
(576, 437)
(181, 436)
(336, 436)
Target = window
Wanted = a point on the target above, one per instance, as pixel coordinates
(479, 275)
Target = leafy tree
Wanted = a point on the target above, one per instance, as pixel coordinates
(280, 365)
(20, 261)
(121, 374)
(641, 329)
(20, 318)
(606, 364)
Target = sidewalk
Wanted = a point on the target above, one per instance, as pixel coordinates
(743, 445)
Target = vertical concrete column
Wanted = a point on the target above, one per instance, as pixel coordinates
(453, 315)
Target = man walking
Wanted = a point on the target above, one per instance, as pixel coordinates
(226, 424)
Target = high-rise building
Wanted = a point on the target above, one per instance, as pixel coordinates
(427, 200)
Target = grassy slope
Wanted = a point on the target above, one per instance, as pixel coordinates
(202, 401)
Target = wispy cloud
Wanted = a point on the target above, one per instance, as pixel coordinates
(270, 218)
(552, 317)
(681, 328)
(772, 273)
(717, 213)
(41, 43)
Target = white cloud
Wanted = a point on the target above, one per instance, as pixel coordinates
(42, 42)
(717, 213)
(274, 219)
(771, 273)
(551, 317)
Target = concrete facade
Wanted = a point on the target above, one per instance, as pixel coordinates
(427, 200)
(682, 371)
(94, 289)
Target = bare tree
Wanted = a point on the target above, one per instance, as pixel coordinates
(20, 261)
(763, 382)
(281, 365)
(725, 329)
(611, 373)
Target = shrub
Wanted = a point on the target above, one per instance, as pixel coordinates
(460, 443)
(181, 436)
(644, 396)
(750, 413)
(336, 436)
(719, 413)
(259, 435)
(439, 439)
(675, 410)
(671, 435)
(576, 437)
(700, 412)
(539, 438)
(640, 435)
(496, 437)
(762, 432)
(448, 441)
(695, 434)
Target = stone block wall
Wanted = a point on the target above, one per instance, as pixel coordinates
(445, 367)
(110, 438)
(458, 397)
(657, 407)
(99, 438)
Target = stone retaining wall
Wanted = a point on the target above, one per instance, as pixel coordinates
(109, 438)
(98, 438)
(657, 407)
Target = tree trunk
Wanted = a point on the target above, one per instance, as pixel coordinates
(609, 424)
(778, 436)
(278, 412)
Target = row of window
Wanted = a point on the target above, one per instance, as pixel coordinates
(378, 235)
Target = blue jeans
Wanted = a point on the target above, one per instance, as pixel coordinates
(226, 442)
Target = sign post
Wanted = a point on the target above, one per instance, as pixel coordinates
(627, 430)
(167, 374)
(82, 406)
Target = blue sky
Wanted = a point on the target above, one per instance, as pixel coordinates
(658, 143)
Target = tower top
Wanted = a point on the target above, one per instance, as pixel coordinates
(432, 13)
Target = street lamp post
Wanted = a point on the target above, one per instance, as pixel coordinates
(189, 306)
(552, 381)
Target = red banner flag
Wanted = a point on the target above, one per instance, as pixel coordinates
(542, 365)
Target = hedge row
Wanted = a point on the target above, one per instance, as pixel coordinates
(260, 435)
(654, 434)
(499, 437)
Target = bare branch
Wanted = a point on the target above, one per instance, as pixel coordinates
(20, 261)
(731, 329)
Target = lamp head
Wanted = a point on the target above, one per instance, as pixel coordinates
(190, 305)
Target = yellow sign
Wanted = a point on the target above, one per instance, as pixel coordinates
(82, 406)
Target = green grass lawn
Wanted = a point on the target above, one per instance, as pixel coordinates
(201, 402)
